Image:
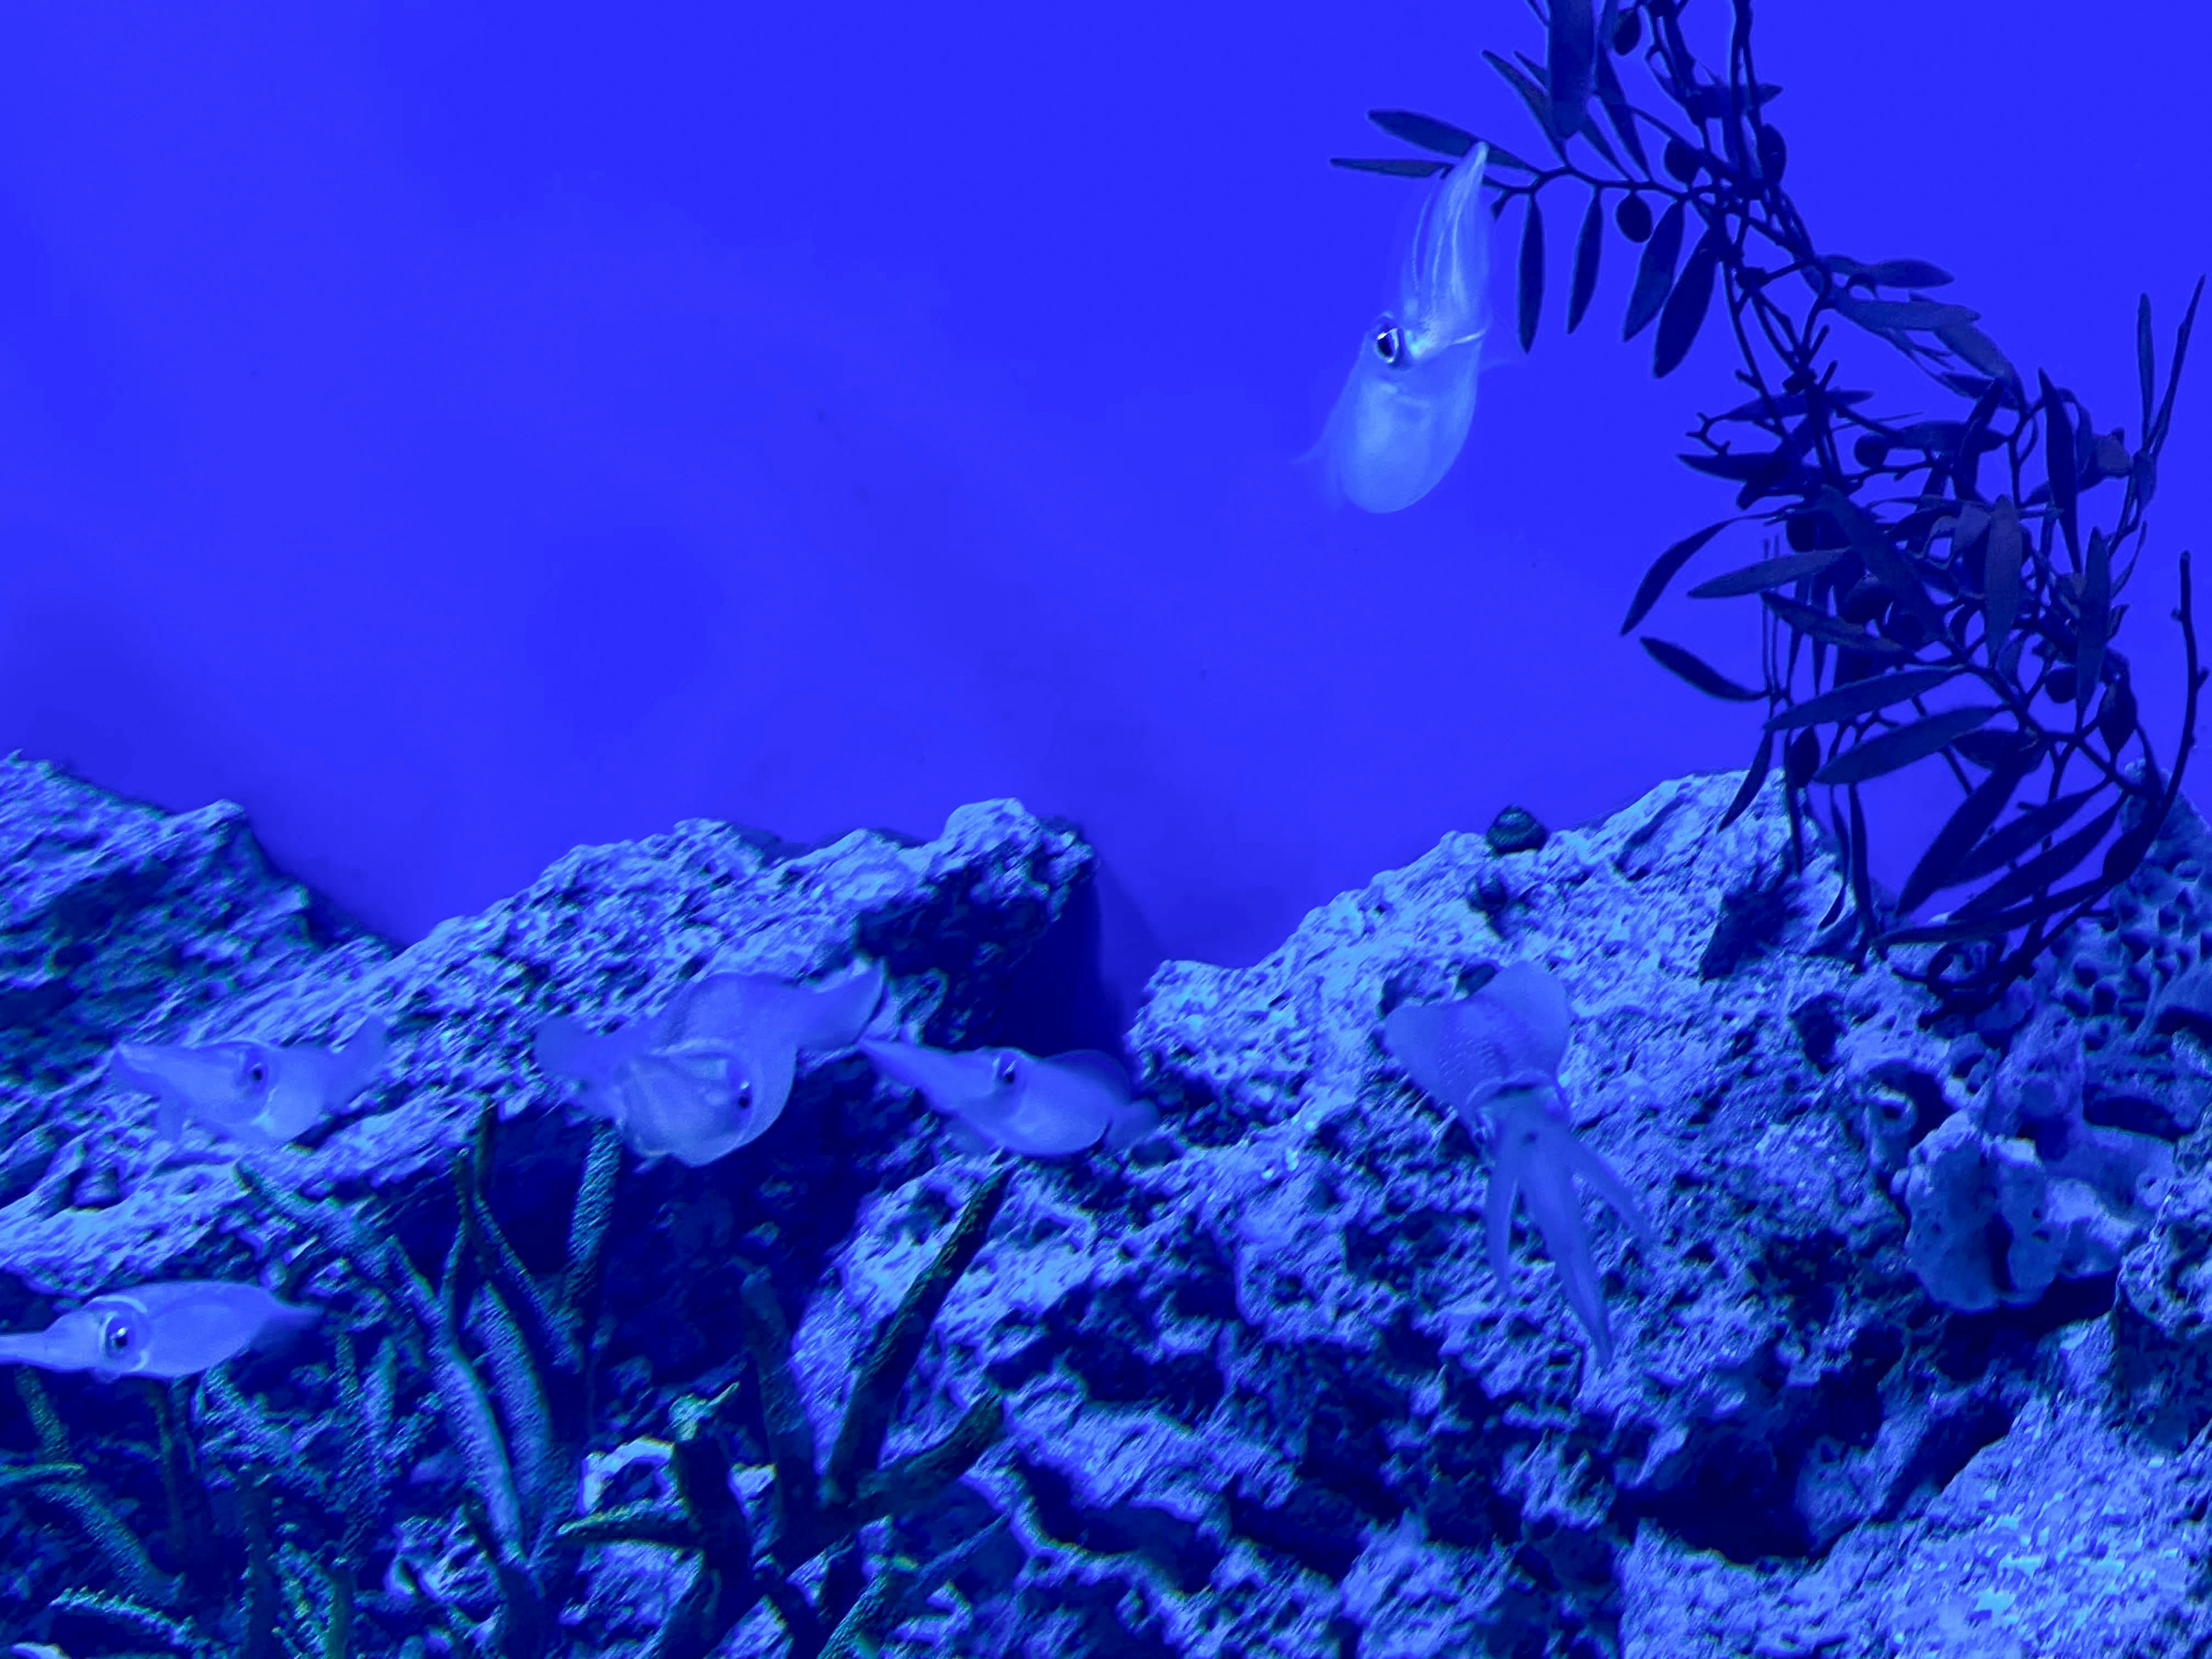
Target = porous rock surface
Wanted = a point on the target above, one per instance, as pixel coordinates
(124, 922)
(1264, 1396)
(1268, 1398)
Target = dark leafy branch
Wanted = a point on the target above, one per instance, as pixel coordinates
(1942, 590)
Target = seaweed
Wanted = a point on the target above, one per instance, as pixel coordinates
(281, 1507)
(1933, 590)
(231, 1584)
(818, 1509)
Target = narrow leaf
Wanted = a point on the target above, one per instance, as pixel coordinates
(1663, 570)
(2127, 850)
(1588, 241)
(1655, 272)
(1862, 872)
(1818, 624)
(1717, 102)
(1571, 50)
(1737, 466)
(1532, 272)
(2157, 434)
(1774, 154)
(1886, 753)
(1790, 405)
(1963, 927)
(1974, 439)
(2146, 367)
(1684, 313)
(2010, 841)
(1905, 273)
(1538, 100)
(1842, 888)
(1870, 540)
(1754, 779)
(1997, 751)
(1965, 529)
(1928, 315)
(1617, 112)
(1397, 166)
(2096, 623)
(1594, 135)
(1976, 350)
(2059, 458)
(1856, 697)
(2001, 574)
(1800, 758)
(1698, 671)
(1423, 131)
(1767, 573)
(2040, 872)
(1966, 826)
(1502, 157)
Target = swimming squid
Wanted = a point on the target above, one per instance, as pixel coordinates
(176, 1329)
(1404, 412)
(711, 1072)
(1496, 1055)
(256, 1093)
(1004, 1097)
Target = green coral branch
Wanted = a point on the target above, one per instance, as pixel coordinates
(668, 1525)
(783, 1414)
(814, 1516)
(891, 1358)
(536, 1461)
(501, 1265)
(261, 1590)
(65, 1483)
(908, 1484)
(183, 1488)
(587, 1234)
(139, 1619)
(899, 1593)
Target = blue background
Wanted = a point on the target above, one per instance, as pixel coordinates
(457, 432)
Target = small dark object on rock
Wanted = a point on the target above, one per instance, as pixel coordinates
(96, 1189)
(1515, 830)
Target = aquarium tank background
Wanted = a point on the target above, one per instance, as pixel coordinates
(854, 833)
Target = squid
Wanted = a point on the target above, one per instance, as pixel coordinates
(256, 1093)
(1496, 1055)
(710, 1072)
(176, 1329)
(1405, 410)
(1003, 1097)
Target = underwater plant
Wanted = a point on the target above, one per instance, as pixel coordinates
(818, 1509)
(301, 1523)
(1944, 596)
(226, 1573)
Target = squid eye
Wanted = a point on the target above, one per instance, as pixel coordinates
(118, 1335)
(1390, 344)
(256, 1072)
(743, 1093)
(1004, 1071)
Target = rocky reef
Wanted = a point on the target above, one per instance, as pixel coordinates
(1915, 1360)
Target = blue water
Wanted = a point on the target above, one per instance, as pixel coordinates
(457, 433)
